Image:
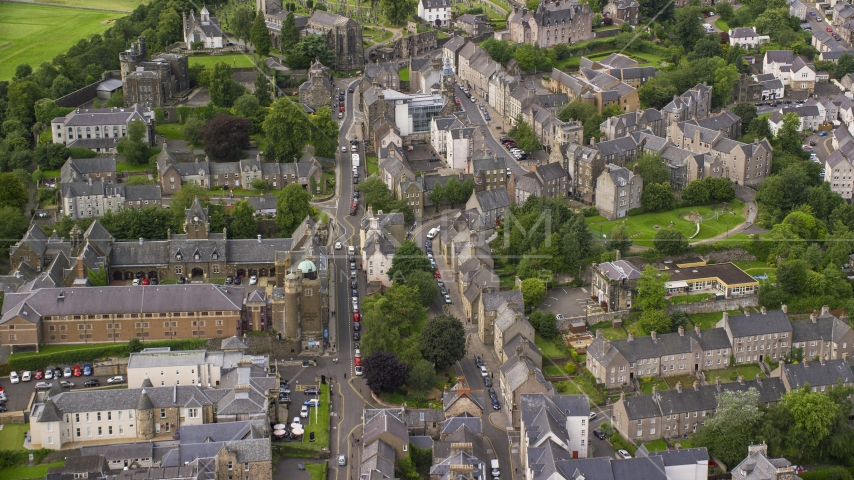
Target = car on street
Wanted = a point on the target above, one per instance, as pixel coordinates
(358, 370)
(357, 336)
(311, 403)
(77, 371)
(357, 353)
(57, 372)
(356, 317)
(66, 384)
(437, 275)
(14, 378)
(338, 246)
(48, 373)
(66, 372)
(483, 371)
(829, 29)
(92, 383)
(357, 362)
(116, 380)
(478, 361)
(311, 391)
(806, 147)
(253, 280)
(26, 376)
(39, 374)
(448, 299)
(598, 434)
(623, 454)
(352, 266)
(296, 421)
(357, 327)
(44, 385)
(592, 415)
(492, 393)
(344, 149)
(487, 381)
(87, 370)
(495, 404)
(2, 408)
(823, 134)
(342, 460)
(303, 411)
(444, 290)
(351, 90)
(340, 115)
(812, 143)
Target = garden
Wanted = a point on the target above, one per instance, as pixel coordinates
(731, 374)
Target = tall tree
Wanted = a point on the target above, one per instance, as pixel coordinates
(620, 239)
(670, 241)
(223, 89)
(422, 376)
(397, 10)
(437, 195)
(242, 22)
(286, 129)
(133, 147)
(262, 89)
(259, 36)
(746, 111)
(726, 75)
(310, 47)
(533, 292)
(655, 321)
(384, 372)
(443, 341)
(813, 415)
(525, 137)
(652, 169)
(689, 29)
(657, 197)
(660, 10)
(226, 137)
(651, 291)
(428, 289)
(408, 258)
(324, 133)
(61, 86)
(193, 128)
(734, 426)
(292, 207)
(243, 221)
(788, 134)
(290, 33)
(13, 224)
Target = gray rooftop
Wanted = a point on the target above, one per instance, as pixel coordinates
(818, 374)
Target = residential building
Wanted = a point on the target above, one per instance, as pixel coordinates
(614, 283)
(724, 279)
(596, 87)
(810, 118)
(842, 13)
(100, 129)
(99, 168)
(520, 376)
(386, 133)
(551, 23)
(490, 204)
(316, 91)
(617, 191)
(437, 12)
(746, 38)
(821, 376)
(758, 465)
(760, 336)
(474, 25)
(553, 427)
(475, 67)
(839, 173)
(802, 75)
(203, 30)
(627, 123)
(389, 426)
(584, 165)
(377, 250)
(798, 9)
(682, 464)
(491, 305)
(622, 11)
(823, 336)
(777, 62)
(461, 400)
(694, 104)
(90, 199)
(489, 172)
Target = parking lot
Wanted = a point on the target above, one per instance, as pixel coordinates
(18, 395)
(569, 302)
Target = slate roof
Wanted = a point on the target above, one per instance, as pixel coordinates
(493, 300)
(824, 328)
(488, 163)
(544, 414)
(758, 466)
(818, 374)
(619, 270)
(551, 171)
(135, 193)
(774, 321)
(384, 421)
(685, 456)
(92, 165)
(211, 29)
(92, 117)
(743, 33)
(722, 121)
(779, 56)
(494, 199)
(516, 371)
(465, 420)
(428, 4)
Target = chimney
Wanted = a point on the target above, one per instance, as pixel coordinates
(806, 362)
(759, 379)
(718, 381)
(90, 180)
(259, 238)
(140, 240)
(81, 268)
(598, 333)
(763, 310)
(741, 379)
(785, 309)
(679, 387)
(635, 169)
(606, 345)
(681, 331)
(631, 337)
(753, 449)
(814, 317)
(618, 255)
(623, 395)
(652, 334)
(592, 142)
(825, 310)
(654, 391)
(697, 329)
(697, 385)
(821, 360)
(746, 311)
(725, 317)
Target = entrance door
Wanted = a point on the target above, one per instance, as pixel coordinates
(575, 454)
(696, 367)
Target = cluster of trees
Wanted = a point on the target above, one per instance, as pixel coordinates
(377, 194)
(530, 58)
(589, 116)
(525, 136)
(721, 71)
(813, 424)
(453, 192)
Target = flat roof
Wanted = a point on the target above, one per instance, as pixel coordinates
(726, 273)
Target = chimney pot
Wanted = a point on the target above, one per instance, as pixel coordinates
(785, 309)
(631, 337)
(598, 333)
(814, 317)
(825, 310)
(697, 328)
(763, 310)
(681, 331)
(697, 385)
(652, 334)
(679, 387)
(140, 240)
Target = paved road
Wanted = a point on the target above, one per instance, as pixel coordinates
(18, 395)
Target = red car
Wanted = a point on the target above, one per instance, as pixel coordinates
(457, 100)
(39, 374)
(145, 281)
(357, 317)
(357, 362)
(437, 275)
(341, 109)
(829, 30)
(77, 371)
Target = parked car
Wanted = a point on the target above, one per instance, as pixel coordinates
(357, 336)
(357, 361)
(342, 458)
(296, 421)
(115, 380)
(303, 411)
(87, 370)
(66, 384)
(483, 371)
(487, 381)
(314, 402)
(44, 385)
(623, 454)
(358, 370)
(448, 299)
(598, 434)
(48, 373)
(478, 361)
(92, 383)
(13, 377)
(495, 404)
(26, 376)
(39, 374)
(66, 372)
(77, 371)
(311, 391)
(592, 415)
(57, 372)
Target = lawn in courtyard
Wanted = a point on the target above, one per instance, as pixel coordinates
(12, 436)
(646, 386)
(548, 348)
(748, 371)
(709, 320)
(233, 61)
(23, 473)
(317, 470)
(657, 445)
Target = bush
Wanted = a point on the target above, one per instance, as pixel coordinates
(570, 368)
(607, 429)
(636, 211)
(20, 458)
(590, 211)
(80, 152)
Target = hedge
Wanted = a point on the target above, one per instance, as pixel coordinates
(16, 458)
(87, 355)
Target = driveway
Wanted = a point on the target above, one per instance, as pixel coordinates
(569, 302)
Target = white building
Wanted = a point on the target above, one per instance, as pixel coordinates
(413, 113)
(377, 250)
(811, 117)
(746, 38)
(553, 422)
(778, 62)
(100, 129)
(437, 12)
(839, 173)
(203, 29)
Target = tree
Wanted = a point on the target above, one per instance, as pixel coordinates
(443, 341)
(670, 241)
(525, 137)
(533, 292)
(733, 427)
(193, 128)
(22, 97)
(688, 30)
(544, 322)
(660, 10)
(50, 156)
(408, 258)
(324, 133)
(577, 109)
(428, 289)
(724, 10)
(696, 193)
(241, 23)
(310, 47)
(790, 140)
(61, 87)
(226, 137)
(726, 76)
(759, 128)
(422, 376)
(384, 372)
(262, 89)
(652, 169)
(657, 197)
(500, 51)
(620, 239)
(707, 47)
(656, 93)
(813, 414)
(844, 65)
(292, 207)
(397, 10)
(655, 321)
(247, 104)
(243, 221)
(13, 224)
(12, 192)
(286, 129)
(651, 291)
(437, 195)
(223, 89)
(290, 33)
(259, 36)
(747, 112)
(133, 147)
(22, 72)
(532, 58)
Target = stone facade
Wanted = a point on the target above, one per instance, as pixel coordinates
(551, 23)
(153, 83)
(343, 36)
(317, 91)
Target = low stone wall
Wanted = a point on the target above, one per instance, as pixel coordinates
(264, 345)
(13, 417)
(730, 255)
(738, 303)
(606, 33)
(563, 324)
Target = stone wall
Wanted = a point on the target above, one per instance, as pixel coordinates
(730, 255)
(265, 345)
(738, 303)
(13, 417)
(606, 33)
(563, 324)
(85, 94)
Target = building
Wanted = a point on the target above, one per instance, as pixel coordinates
(203, 30)
(519, 376)
(693, 104)
(551, 23)
(617, 191)
(490, 204)
(682, 464)
(387, 425)
(154, 83)
(377, 250)
(343, 37)
(489, 172)
(758, 465)
(623, 125)
(622, 11)
(722, 279)
(474, 25)
(316, 91)
(437, 12)
(100, 169)
(755, 338)
(100, 129)
(92, 199)
(412, 113)
(461, 400)
(746, 38)
(584, 165)
(492, 303)
(597, 87)
(839, 173)
(821, 376)
(798, 9)
(553, 427)
(823, 336)
(809, 116)
(614, 283)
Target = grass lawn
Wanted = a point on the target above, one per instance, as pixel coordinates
(12, 436)
(749, 372)
(609, 332)
(547, 348)
(234, 61)
(51, 174)
(133, 167)
(172, 131)
(722, 25)
(319, 421)
(642, 227)
(658, 445)
(677, 299)
(247, 192)
(373, 165)
(120, 5)
(404, 74)
(63, 348)
(37, 471)
(657, 382)
(317, 470)
(644, 59)
(376, 35)
(708, 320)
(568, 387)
(554, 371)
(687, 381)
(35, 33)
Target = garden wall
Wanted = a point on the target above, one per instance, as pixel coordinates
(264, 345)
(712, 306)
(12, 417)
(85, 94)
(563, 324)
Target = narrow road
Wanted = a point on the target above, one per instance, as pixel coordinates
(395, 34)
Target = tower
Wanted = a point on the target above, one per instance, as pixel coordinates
(196, 222)
(292, 304)
(144, 416)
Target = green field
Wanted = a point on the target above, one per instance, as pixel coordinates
(548, 348)
(118, 5)
(12, 436)
(642, 229)
(34, 33)
(21, 473)
(748, 371)
(234, 61)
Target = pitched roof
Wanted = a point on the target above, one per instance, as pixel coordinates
(824, 328)
(773, 321)
(494, 199)
(384, 421)
(517, 370)
(727, 273)
(818, 374)
(619, 270)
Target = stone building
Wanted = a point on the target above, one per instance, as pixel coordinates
(203, 29)
(100, 168)
(617, 191)
(551, 23)
(622, 11)
(152, 83)
(406, 47)
(316, 92)
(100, 129)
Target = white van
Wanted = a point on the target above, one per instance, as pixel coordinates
(496, 472)
(432, 233)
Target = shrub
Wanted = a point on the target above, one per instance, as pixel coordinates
(80, 152)
(571, 368)
(590, 211)
(607, 429)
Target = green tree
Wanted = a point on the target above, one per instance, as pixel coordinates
(747, 112)
(310, 47)
(443, 341)
(133, 147)
(670, 241)
(98, 278)
(532, 58)
(577, 109)
(290, 32)
(620, 239)
(247, 105)
(428, 289)
(813, 415)
(733, 427)
(696, 193)
(726, 75)
(23, 72)
(286, 129)
(844, 65)
(724, 10)
(437, 195)
(656, 93)
(790, 140)
(292, 207)
(525, 136)
(422, 376)
(223, 90)
(324, 133)
(660, 10)
(655, 321)
(652, 169)
(262, 89)
(397, 10)
(12, 192)
(241, 23)
(707, 47)
(545, 323)
(13, 224)
(533, 292)
(243, 221)
(689, 27)
(193, 128)
(657, 197)
(21, 99)
(759, 128)
(259, 36)
(261, 184)
(651, 291)
(408, 258)
(61, 86)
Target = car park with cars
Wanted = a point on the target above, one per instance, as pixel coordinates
(116, 380)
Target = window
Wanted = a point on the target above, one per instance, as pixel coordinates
(230, 466)
(162, 413)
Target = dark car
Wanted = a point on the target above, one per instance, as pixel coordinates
(353, 284)
(355, 292)
(812, 143)
(598, 433)
(357, 326)
(57, 373)
(311, 391)
(492, 393)
(357, 336)
(92, 383)
(351, 90)
(352, 211)
(487, 381)
(229, 280)
(478, 361)
(3, 408)
(495, 404)
(444, 290)
(237, 281)
(284, 398)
